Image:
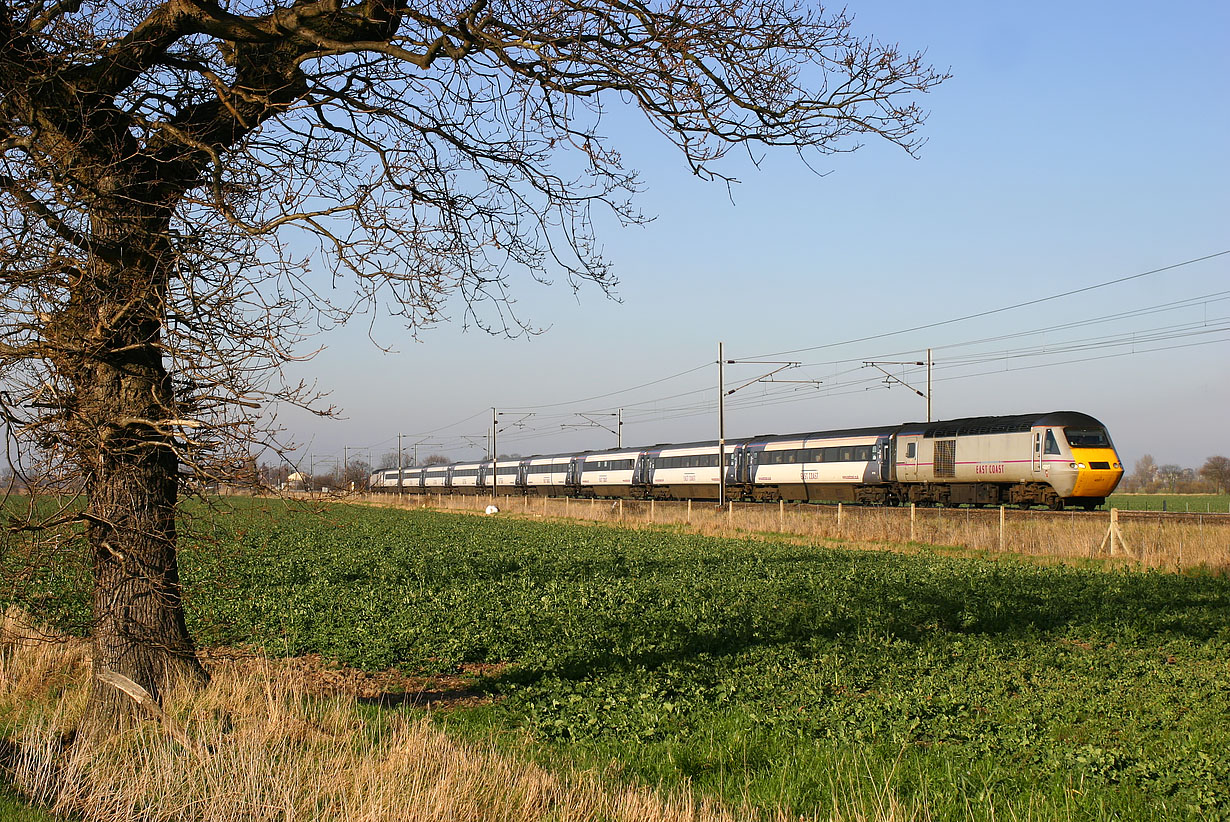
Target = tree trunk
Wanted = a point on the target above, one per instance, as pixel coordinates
(138, 619)
(125, 405)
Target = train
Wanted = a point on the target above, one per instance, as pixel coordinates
(1058, 459)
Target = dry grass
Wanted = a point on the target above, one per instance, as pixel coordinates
(265, 749)
(1172, 542)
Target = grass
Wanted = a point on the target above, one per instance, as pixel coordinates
(15, 809)
(767, 673)
(1170, 544)
(1178, 503)
(792, 678)
(261, 748)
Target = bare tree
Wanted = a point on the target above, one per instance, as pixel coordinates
(1217, 471)
(1169, 475)
(437, 459)
(274, 476)
(354, 475)
(1144, 473)
(170, 169)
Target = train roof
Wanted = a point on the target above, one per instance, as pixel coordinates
(1008, 424)
(836, 433)
(964, 426)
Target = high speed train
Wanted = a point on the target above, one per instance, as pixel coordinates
(1063, 458)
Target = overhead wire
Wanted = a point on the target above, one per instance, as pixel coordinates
(1002, 309)
(643, 410)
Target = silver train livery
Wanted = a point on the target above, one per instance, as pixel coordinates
(1060, 459)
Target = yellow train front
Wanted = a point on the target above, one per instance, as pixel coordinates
(1060, 459)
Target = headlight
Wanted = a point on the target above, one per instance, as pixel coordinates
(1118, 466)
(1079, 466)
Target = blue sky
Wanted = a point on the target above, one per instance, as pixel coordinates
(1076, 144)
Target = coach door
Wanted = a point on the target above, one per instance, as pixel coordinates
(733, 461)
(907, 456)
(643, 473)
(1037, 461)
(750, 459)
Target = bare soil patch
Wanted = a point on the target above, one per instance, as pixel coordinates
(319, 676)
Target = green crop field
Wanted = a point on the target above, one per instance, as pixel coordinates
(1180, 503)
(761, 673)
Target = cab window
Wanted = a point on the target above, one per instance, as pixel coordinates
(911, 450)
(1052, 447)
(1087, 438)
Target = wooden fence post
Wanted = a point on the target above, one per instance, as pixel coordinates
(1001, 529)
(652, 515)
(1114, 535)
(689, 511)
(839, 519)
(913, 508)
(781, 515)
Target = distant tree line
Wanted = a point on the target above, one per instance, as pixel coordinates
(336, 477)
(1148, 477)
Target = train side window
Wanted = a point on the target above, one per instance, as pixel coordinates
(911, 450)
(1052, 447)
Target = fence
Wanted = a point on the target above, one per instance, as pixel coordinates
(1174, 541)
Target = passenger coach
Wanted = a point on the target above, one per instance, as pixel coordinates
(1057, 459)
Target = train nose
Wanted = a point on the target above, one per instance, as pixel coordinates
(1098, 471)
